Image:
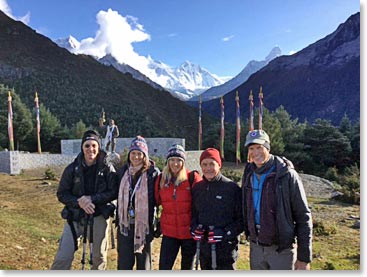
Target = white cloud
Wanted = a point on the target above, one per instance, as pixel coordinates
(115, 36)
(228, 38)
(292, 52)
(7, 10)
(5, 7)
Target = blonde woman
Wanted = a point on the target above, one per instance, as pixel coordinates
(173, 192)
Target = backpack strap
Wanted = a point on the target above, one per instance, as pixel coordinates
(192, 177)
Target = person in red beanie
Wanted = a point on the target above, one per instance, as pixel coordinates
(216, 214)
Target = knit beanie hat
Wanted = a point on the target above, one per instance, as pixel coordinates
(211, 153)
(139, 144)
(176, 150)
(258, 137)
(90, 135)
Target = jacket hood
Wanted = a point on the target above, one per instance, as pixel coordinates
(283, 165)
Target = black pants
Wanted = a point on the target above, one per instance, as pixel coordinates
(125, 253)
(226, 255)
(113, 145)
(169, 251)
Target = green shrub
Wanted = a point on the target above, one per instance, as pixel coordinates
(328, 266)
(49, 174)
(319, 229)
(332, 174)
(233, 175)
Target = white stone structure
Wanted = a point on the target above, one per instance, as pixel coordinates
(12, 162)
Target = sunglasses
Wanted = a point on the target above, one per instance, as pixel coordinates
(90, 145)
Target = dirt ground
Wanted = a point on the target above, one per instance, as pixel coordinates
(30, 228)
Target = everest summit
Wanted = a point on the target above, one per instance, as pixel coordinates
(183, 82)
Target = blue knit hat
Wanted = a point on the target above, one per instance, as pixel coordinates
(139, 144)
(176, 150)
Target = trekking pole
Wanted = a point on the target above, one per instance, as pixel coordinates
(214, 252)
(112, 235)
(91, 223)
(198, 251)
(85, 233)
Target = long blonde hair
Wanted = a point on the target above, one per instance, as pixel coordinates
(167, 176)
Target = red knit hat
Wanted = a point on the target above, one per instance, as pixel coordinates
(211, 153)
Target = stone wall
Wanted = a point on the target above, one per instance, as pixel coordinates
(12, 162)
(9, 162)
(193, 160)
(156, 146)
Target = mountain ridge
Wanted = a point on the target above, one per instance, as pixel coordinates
(320, 81)
(75, 87)
(251, 67)
(183, 81)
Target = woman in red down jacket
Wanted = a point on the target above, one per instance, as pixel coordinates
(173, 192)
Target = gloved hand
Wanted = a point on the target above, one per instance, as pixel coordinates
(215, 235)
(228, 235)
(198, 233)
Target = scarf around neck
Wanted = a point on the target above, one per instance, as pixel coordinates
(141, 221)
(265, 167)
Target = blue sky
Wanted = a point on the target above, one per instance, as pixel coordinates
(220, 35)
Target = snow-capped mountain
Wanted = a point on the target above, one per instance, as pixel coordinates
(70, 43)
(183, 82)
(252, 67)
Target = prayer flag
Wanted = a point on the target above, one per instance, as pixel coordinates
(222, 128)
(10, 124)
(200, 125)
(38, 122)
(238, 130)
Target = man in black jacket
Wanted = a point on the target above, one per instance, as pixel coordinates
(216, 215)
(277, 219)
(87, 187)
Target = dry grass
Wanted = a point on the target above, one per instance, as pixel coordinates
(30, 227)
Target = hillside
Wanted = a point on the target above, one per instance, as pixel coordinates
(77, 87)
(320, 81)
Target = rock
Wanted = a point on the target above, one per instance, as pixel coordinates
(316, 186)
(357, 224)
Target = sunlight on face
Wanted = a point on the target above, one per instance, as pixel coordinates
(258, 154)
(136, 157)
(175, 165)
(90, 151)
(210, 168)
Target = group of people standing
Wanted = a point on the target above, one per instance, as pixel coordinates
(201, 216)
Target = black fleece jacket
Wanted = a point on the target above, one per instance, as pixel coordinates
(218, 203)
(102, 187)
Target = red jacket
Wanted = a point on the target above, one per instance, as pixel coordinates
(176, 213)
